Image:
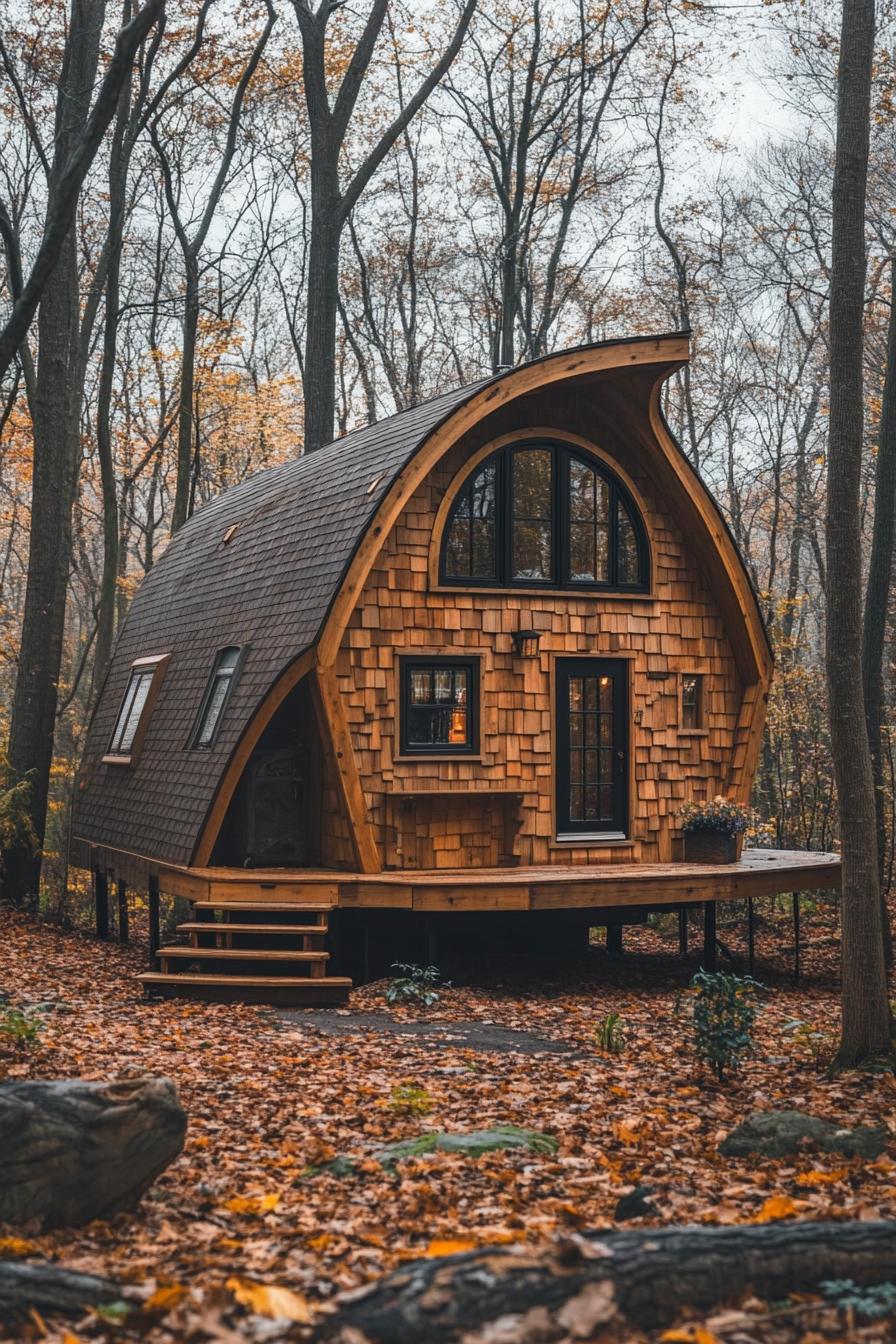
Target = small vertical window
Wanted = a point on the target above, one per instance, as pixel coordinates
(439, 702)
(691, 701)
(135, 709)
(215, 698)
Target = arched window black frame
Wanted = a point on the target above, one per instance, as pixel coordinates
(498, 469)
(225, 670)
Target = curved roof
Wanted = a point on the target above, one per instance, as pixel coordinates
(262, 565)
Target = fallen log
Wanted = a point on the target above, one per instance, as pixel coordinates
(53, 1291)
(645, 1277)
(72, 1151)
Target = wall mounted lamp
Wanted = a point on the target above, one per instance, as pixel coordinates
(525, 643)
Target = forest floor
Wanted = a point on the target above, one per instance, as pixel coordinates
(270, 1095)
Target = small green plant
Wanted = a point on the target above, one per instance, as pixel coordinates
(408, 1099)
(872, 1301)
(413, 984)
(609, 1035)
(725, 1008)
(20, 1028)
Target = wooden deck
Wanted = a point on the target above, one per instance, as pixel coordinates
(760, 872)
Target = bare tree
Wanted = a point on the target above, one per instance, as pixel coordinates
(332, 199)
(67, 178)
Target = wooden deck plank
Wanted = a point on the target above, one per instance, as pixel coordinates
(759, 872)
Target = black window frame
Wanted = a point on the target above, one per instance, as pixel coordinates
(435, 663)
(562, 454)
(699, 703)
(571, 831)
(193, 742)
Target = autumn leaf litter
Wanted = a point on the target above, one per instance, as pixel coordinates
(245, 1221)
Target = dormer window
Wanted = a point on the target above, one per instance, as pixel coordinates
(217, 693)
(135, 709)
(545, 515)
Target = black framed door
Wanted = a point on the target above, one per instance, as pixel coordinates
(592, 747)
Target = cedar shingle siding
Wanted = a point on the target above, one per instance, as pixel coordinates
(270, 588)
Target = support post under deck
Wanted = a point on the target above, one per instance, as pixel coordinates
(101, 897)
(709, 935)
(122, 910)
(155, 936)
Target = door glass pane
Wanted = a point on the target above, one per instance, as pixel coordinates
(593, 770)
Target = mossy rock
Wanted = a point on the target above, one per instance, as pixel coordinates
(783, 1133)
(475, 1144)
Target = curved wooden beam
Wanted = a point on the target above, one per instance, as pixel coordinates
(214, 820)
(668, 352)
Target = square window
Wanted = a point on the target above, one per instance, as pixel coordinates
(439, 706)
(691, 701)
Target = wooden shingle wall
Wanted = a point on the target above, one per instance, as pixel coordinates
(677, 630)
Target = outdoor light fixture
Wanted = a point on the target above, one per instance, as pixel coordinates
(525, 643)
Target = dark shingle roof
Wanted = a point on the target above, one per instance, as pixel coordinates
(270, 587)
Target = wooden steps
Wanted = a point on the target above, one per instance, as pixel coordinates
(269, 930)
(282, 990)
(249, 952)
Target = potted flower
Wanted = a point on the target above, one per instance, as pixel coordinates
(714, 831)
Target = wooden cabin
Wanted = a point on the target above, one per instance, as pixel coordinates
(450, 677)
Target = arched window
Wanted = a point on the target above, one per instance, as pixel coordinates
(545, 514)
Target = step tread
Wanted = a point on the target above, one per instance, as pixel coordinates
(218, 927)
(317, 907)
(239, 954)
(274, 981)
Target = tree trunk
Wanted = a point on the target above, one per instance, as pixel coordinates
(118, 167)
(51, 1290)
(185, 414)
(56, 414)
(645, 1276)
(866, 1013)
(323, 306)
(74, 1151)
(877, 596)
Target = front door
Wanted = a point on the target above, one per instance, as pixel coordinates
(592, 748)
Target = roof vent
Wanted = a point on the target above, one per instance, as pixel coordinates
(503, 368)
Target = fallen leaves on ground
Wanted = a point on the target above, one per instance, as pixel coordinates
(239, 1231)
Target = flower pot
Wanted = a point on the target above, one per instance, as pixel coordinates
(711, 847)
